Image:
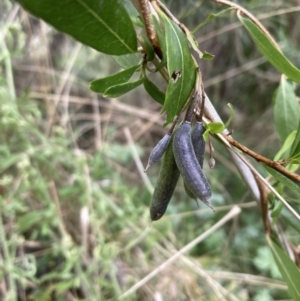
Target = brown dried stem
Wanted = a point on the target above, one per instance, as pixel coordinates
(259, 158)
(150, 30)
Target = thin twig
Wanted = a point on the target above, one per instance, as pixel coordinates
(97, 116)
(137, 160)
(150, 31)
(260, 158)
(234, 72)
(235, 25)
(219, 290)
(264, 205)
(257, 175)
(232, 213)
(208, 210)
(170, 15)
(202, 102)
(248, 279)
(62, 84)
(251, 17)
(63, 229)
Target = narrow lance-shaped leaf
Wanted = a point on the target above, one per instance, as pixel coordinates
(154, 92)
(133, 13)
(286, 109)
(211, 17)
(148, 48)
(102, 84)
(282, 153)
(181, 69)
(277, 210)
(127, 61)
(207, 56)
(101, 24)
(161, 38)
(283, 179)
(295, 151)
(268, 49)
(289, 271)
(121, 89)
(291, 220)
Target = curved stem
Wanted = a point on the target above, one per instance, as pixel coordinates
(258, 176)
(150, 31)
(251, 17)
(260, 158)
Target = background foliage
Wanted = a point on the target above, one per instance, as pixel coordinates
(74, 198)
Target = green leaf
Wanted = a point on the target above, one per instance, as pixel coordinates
(286, 146)
(154, 92)
(295, 150)
(213, 128)
(121, 89)
(207, 56)
(231, 115)
(211, 17)
(181, 69)
(161, 38)
(277, 210)
(268, 49)
(193, 42)
(29, 220)
(283, 179)
(290, 220)
(265, 262)
(102, 84)
(295, 161)
(101, 24)
(149, 48)
(127, 61)
(288, 269)
(133, 13)
(286, 109)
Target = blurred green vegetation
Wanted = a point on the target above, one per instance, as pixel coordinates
(74, 221)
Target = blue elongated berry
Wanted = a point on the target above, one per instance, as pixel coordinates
(199, 148)
(165, 185)
(188, 164)
(198, 142)
(159, 150)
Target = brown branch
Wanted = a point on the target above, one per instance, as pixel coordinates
(264, 204)
(251, 17)
(159, 4)
(260, 158)
(150, 31)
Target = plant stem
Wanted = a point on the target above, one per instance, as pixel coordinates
(8, 262)
(8, 69)
(231, 214)
(260, 158)
(151, 33)
(251, 17)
